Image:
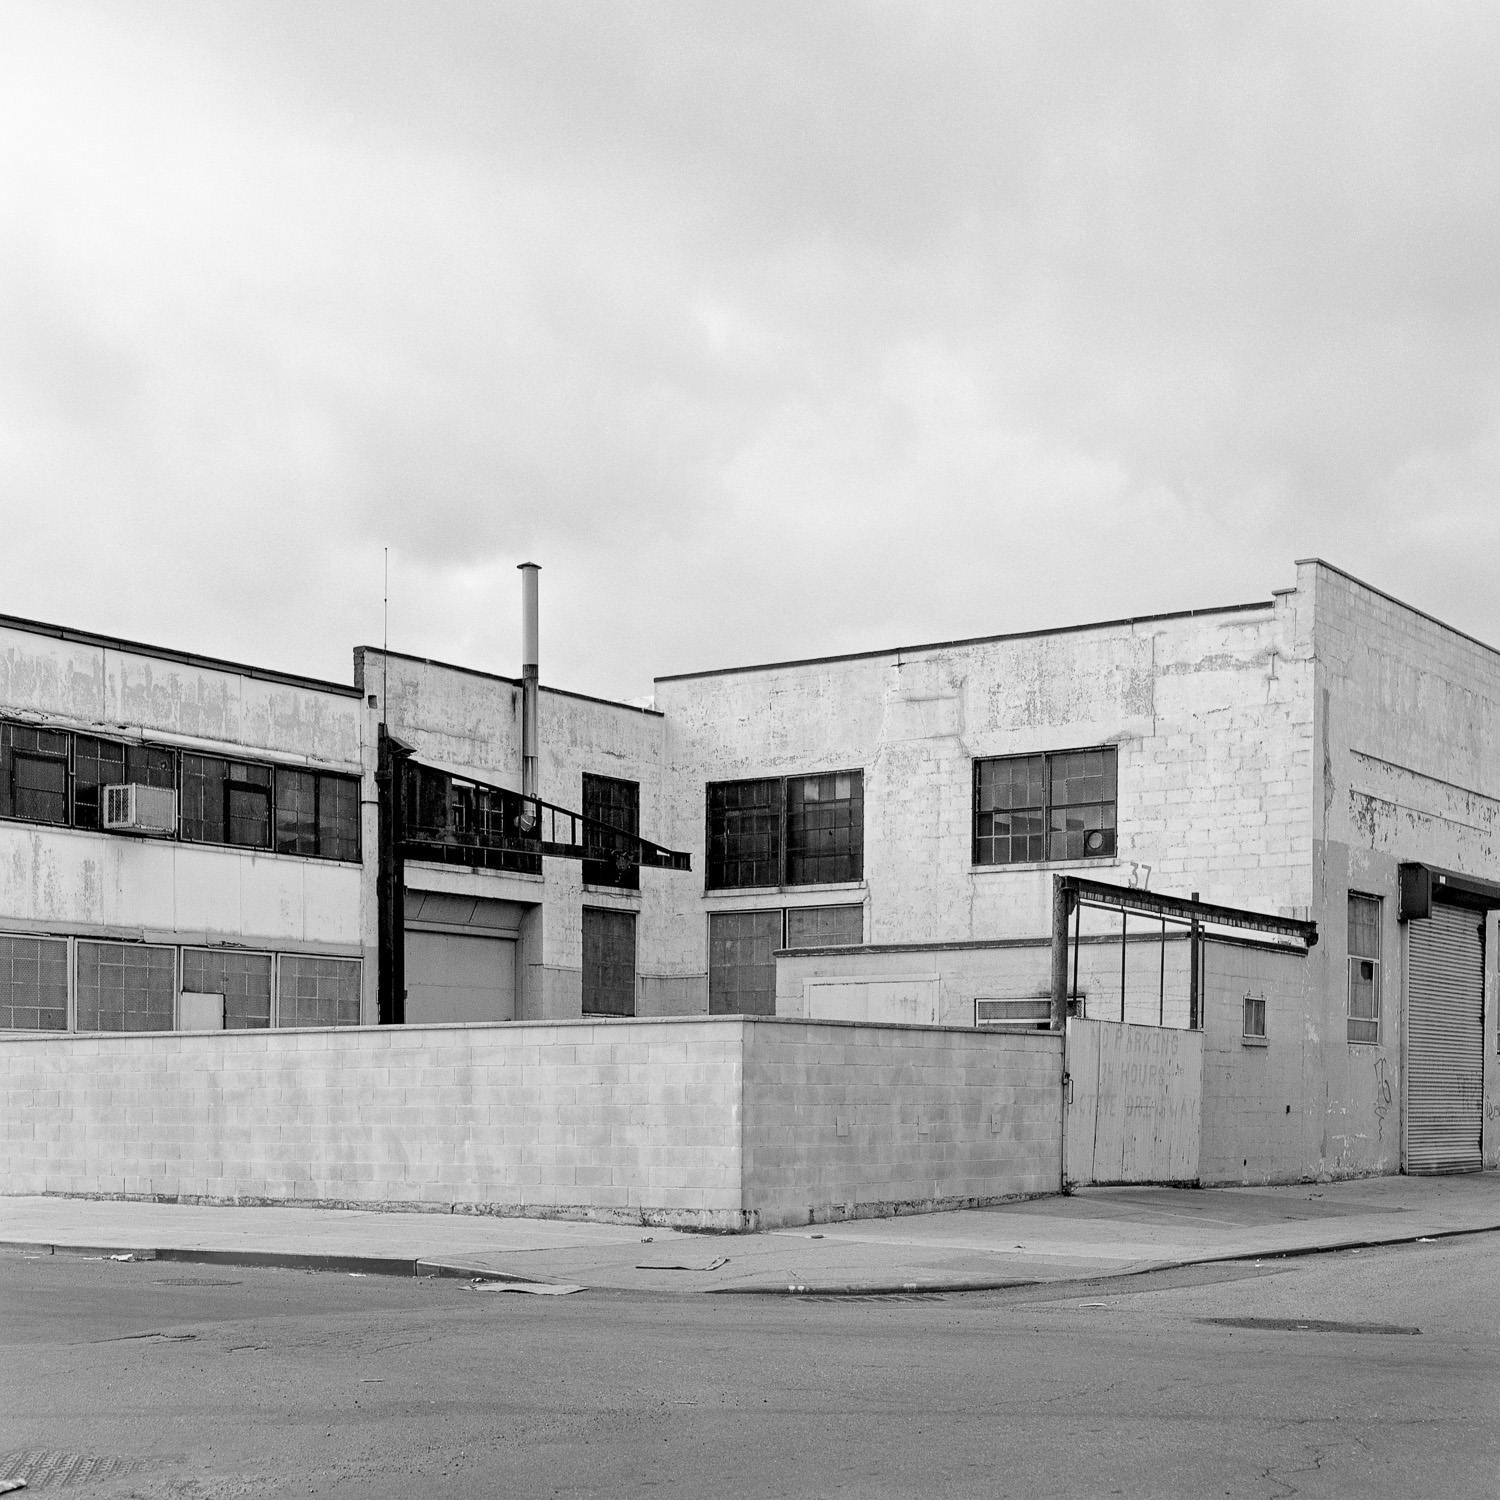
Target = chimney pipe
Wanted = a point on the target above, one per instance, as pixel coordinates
(529, 633)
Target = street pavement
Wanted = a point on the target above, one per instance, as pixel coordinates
(1092, 1233)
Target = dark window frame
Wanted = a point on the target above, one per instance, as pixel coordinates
(83, 756)
(1364, 1030)
(602, 961)
(984, 840)
(759, 799)
(616, 801)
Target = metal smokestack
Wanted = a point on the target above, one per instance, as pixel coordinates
(529, 632)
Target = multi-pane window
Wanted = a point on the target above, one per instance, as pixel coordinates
(1364, 968)
(797, 830)
(33, 774)
(608, 962)
(825, 824)
(57, 776)
(1037, 808)
(608, 799)
(742, 950)
(741, 962)
(100, 763)
(317, 991)
(317, 814)
(825, 926)
(126, 987)
(243, 979)
(33, 984)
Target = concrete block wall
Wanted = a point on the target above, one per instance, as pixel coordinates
(1211, 715)
(849, 1121)
(722, 1123)
(1269, 1113)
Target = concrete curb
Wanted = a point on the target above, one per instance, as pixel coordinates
(907, 1288)
(402, 1266)
(283, 1260)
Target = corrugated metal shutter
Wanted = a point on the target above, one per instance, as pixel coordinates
(1445, 1043)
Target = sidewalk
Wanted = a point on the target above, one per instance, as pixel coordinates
(1095, 1232)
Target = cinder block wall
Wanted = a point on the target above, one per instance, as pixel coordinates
(850, 1121)
(718, 1123)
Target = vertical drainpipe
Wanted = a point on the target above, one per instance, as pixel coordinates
(529, 632)
(390, 879)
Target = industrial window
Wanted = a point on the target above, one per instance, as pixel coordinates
(797, 830)
(1255, 1017)
(825, 828)
(608, 962)
(1037, 808)
(825, 926)
(1364, 968)
(33, 774)
(100, 763)
(742, 963)
(126, 987)
(317, 814)
(243, 979)
(607, 799)
(33, 984)
(317, 991)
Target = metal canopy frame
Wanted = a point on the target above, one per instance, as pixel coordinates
(500, 830)
(1071, 893)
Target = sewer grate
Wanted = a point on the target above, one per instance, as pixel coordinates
(40, 1467)
(192, 1281)
(1309, 1325)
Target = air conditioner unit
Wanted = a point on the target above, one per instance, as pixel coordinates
(141, 809)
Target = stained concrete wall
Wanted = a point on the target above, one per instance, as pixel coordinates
(1265, 1104)
(726, 1123)
(1212, 717)
(1407, 768)
(1135, 1103)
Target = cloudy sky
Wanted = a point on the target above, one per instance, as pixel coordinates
(769, 330)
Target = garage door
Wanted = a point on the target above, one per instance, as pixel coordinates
(453, 977)
(1445, 1043)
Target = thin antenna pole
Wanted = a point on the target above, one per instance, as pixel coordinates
(385, 640)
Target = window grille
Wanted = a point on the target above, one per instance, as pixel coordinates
(317, 991)
(608, 962)
(741, 962)
(33, 984)
(126, 986)
(243, 979)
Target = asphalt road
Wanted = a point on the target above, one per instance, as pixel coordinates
(162, 1380)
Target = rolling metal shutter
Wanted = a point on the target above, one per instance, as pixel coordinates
(1445, 1043)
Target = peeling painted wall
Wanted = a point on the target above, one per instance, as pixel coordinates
(1212, 717)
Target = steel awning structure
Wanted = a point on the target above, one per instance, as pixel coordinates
(434, 815)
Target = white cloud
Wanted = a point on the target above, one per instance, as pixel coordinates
(767, 332)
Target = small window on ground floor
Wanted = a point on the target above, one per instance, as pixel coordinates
(33, 984)
(243, 979)
(608, 962)
(1364, 968)
(317, 991)
(825, 926)
(742, 963)
(126, 986)
(1255, 1017)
